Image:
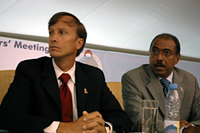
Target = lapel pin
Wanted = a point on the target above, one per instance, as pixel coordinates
(85, 91)
(181, 89)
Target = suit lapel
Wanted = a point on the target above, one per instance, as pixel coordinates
(82, 89)
(50, 82)
(157, 91)
(51, 86)
(155, 88)
(177, 79)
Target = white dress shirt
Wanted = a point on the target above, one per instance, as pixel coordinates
(71, 84)
(168, 78)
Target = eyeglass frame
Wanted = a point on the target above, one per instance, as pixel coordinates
(165, 52)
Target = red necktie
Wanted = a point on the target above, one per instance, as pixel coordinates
(66, 99)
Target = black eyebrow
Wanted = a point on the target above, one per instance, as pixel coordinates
(163, 49)
(155, 47)
(167, 49)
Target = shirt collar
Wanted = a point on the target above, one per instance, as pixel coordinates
(59, 72)
(168, 78)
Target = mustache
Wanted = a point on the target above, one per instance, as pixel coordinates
(159, 64)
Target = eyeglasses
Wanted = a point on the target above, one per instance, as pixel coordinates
(165, 52)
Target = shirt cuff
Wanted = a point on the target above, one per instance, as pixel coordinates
(109, 128)
(52, 128)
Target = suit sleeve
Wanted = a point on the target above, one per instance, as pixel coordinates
(14, 110)
(100, 98)
(132, 100)
(195, 111)
(112, 111)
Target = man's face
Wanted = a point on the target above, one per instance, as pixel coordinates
(163, 57)
(63, 39)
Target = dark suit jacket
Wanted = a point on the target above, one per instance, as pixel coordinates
(141, 83)
(33, 101)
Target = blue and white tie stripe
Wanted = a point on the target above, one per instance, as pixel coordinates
(165, 83)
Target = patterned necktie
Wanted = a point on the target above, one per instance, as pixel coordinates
(66, 99)
(165, 83)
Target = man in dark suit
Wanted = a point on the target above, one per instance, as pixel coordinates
(144, 83)
(33, 101)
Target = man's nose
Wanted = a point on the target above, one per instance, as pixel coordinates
(160, 56)
(53, 38)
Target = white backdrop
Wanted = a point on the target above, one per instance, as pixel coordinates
(113, 64)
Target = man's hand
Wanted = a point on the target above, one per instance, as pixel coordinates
(93, 122)
(184, 123)
(89, 122)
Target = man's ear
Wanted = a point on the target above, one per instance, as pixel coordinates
(177, 58)
(80, 42)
